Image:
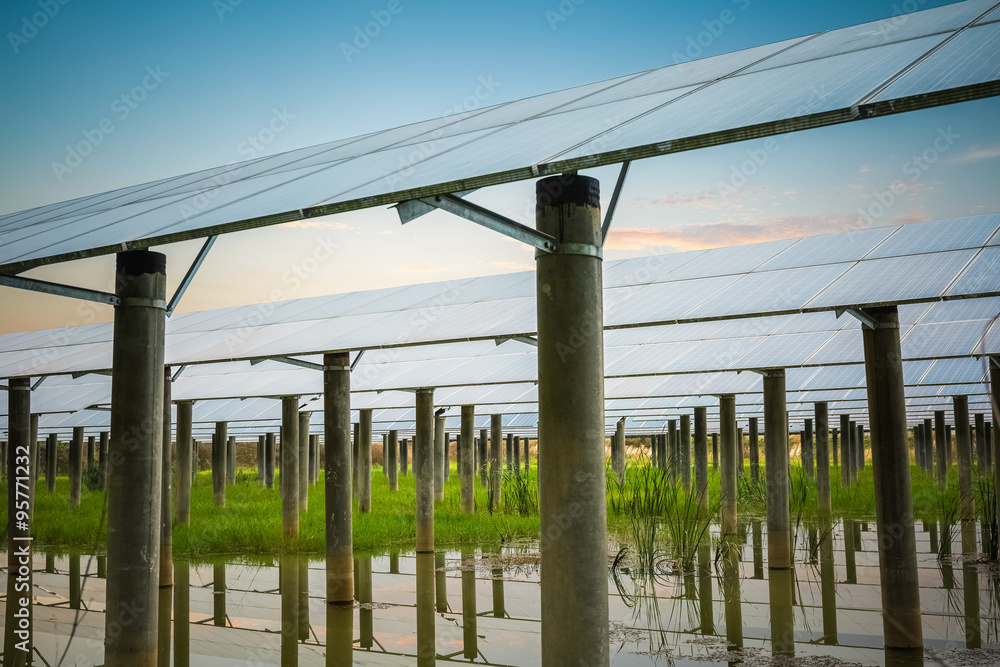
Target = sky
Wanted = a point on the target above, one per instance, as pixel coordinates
(163, 88)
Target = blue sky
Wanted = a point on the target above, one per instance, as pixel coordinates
(200, 78)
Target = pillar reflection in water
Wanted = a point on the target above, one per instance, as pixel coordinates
(852, 572)
(364, 584)
(705, 589)
(219, 594)
(828, 585)
(731, 595)
(182, 614)
(339, 634)
(499, 608)
(74, 581)
(425, 609)
(163, 626)
(758, 550)
(970, 592)
(303, 599)
(288, 583)
(782, 619)
(470, 645)
(440, 582)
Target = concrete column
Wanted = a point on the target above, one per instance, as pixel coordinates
(918, 447)
(482, 457)
(19, 531)
(685, 452)
(290, 466)
(835, 446)
(496, 464)
(701, 455)
(847, 463)
(517, 455)
(861, 448)
(980, 441)
(231, 460)
(303, 468)
(50, 462)
(423, 469)
(740, 465)
(730, 457)
(364, 465)
(618, 449)
(571, 424)
(75, 466)
(337, 481)
(940, 448)
(182, 512)
(891, 466)
(439, 457)
(527, 458)
(261, 446)
(467, 459)
(807, 450)
(779, 529)
(823, 460)
(673, 452)
(355, 459)
(269, 460)
(103, 458)
(928, 431)
(509, 454)
(404, 457)
(447, 455)
(392, 445)
(947, 445)
(89, 461)
(385, 455)
(135, 447)
(995, 405)
(754, 451)
(314, 458)
(966, 494)
(166, 516)
(715, 451)
(219, 463)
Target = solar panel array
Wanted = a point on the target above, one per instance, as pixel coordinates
(938, 56)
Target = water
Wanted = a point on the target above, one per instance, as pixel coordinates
(458, 606)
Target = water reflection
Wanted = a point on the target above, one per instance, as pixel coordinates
(363, 581)
(469, 640)
(782, 618)
(339, 634)
(828, 584)
(219, 594)
(425, 609)
(288, 584)
(182, 613)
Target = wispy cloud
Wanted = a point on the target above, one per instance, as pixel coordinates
(418, 268)
(977, 154)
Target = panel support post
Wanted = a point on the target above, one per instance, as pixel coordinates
(424, 468)
(496, 463)
(364, 463)
(845, 450)
(440, 457)
(779, 522)
(823, 459)
(754, 451)
(19, 532)
(467, 459)
(995, 460)
(269, 460)
(290, 465)
(392, 444)
(966, 497)
(939, 448)
(701, 455)
(261, 446)
(135, 450)
(618, 449)
(166, 516)
(730, 457)
(807, 449)
(219, 444)
(337, 482)
(685, 453)
(184, 419)
(304, 460)
(891, 468)
(50, 462)
(572, 492)
(75, 466)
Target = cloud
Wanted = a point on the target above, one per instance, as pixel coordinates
(418, 268)
(315, 222)
(708, 199)
(718, 234)
(909, 218)
(514, 266)
(864, 169)
(977, 153)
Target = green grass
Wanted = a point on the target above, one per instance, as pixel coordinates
(251, 521)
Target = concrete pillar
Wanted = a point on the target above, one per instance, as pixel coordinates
(980, 441)
(947, 445)
(303, 468)
(135, 447)
(891, 466)
(940, 448)
(715, 451)
(918, 447)
(355, 459)
(517, 454)
(363, 577)
(219, 463)
(481, 457)
(754, 451)
(807, 450)
(966, 493)
(701, 455)
(995, 405)
(779, 529)
(822, 460)
(404, 457)
(102, 462)
(835, 446)
(166, 516)
(182, 508)
(423, 469)
(337, 481)
(571, 424)
(269, 460)
(848, 450)
(89, 461)
(509, 454)
(685, 452)
(364, 465)
(673, 452)
(861, 447)
(439, 457)
(290, 466)
(527, 452)
(75, 466)
(392, 444)
(928, 431)
(18, 531)
(740, 466)
(385, 455)
(447, 455)
(260, 459)
(730, 456)
(467, 459)
(989, 447)
(496, 462)
(50, 462)
(231, 460)
(313, 458)
(618, 449)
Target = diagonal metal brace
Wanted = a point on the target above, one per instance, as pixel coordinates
(527, 340)
(289, 360)
(485, 217)
(860, 315)
(59, 289)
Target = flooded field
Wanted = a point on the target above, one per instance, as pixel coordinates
(462, 606)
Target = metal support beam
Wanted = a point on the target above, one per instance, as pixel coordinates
(291, 361)
(357, 359)
(173, 378)
(866, 320)
(487, 218)
(77, 376)
(189, 276)
(613, 204)
(527, 340)
(59, 289)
